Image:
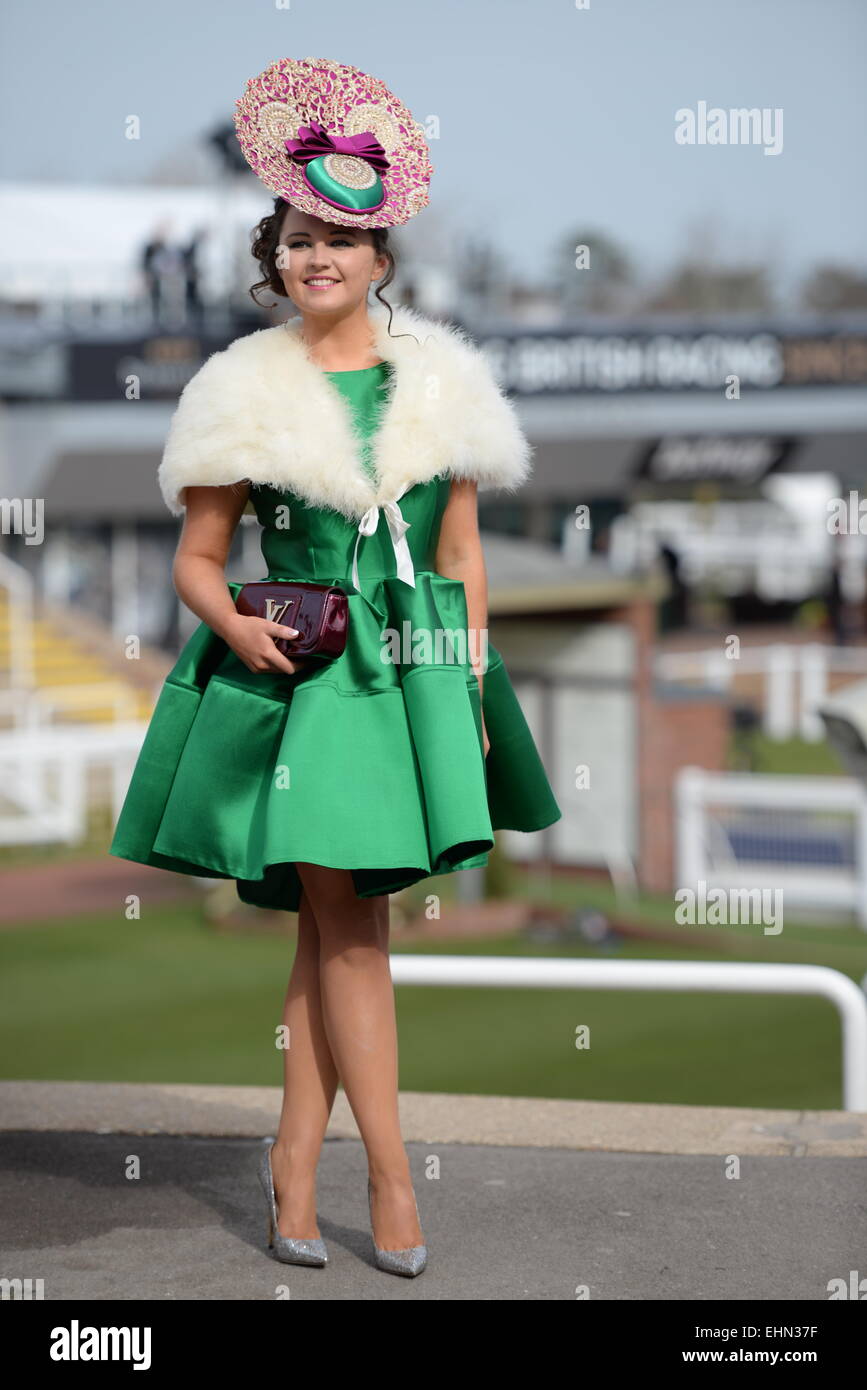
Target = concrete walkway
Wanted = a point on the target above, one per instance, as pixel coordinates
(519, 1199)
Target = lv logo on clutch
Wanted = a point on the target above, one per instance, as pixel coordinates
(274, 611)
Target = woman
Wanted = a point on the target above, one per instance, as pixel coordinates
(323, 788)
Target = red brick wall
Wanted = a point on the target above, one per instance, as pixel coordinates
(673, 732)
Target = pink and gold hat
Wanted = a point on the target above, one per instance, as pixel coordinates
(334, 141)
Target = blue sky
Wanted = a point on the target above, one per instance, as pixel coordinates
(552, 118)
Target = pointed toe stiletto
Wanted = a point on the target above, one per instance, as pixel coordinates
(286, 1248)
(409, 1262)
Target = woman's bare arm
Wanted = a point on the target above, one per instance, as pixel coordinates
(460, 556)
(198, 573)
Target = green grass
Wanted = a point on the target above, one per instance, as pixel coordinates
(790, 756)
(167, 999)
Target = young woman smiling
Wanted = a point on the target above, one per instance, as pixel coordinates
(323, 788)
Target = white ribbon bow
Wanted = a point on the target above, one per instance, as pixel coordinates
(397, 527)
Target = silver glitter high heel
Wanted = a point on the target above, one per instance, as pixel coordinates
(286, 1248)
(409, 1262)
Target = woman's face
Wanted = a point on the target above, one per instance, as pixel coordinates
(326, 268)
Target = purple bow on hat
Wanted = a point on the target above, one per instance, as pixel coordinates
(316, 141)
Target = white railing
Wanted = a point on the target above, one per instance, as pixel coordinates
(795, 679)
(41, 707)
(44, 778)
(23, 702)
(810, 840)
(526, 972)
(20, 593)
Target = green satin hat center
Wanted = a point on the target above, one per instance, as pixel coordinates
(358, 198)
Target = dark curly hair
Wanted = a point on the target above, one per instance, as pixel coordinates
(266, 237)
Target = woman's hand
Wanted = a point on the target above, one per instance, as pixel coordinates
(252, 641)
(486, 742)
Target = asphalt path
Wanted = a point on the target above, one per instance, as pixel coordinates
(501, 1222)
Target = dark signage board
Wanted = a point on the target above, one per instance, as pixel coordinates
(620, 361)
(600, 361)
(152, 369)
(739, 459)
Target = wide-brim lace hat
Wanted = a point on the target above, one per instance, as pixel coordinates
(334, 142)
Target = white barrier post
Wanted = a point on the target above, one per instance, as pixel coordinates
(813, 689)
(779, 721)
(689, 814)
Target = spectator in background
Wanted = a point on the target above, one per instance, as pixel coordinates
(846, 590)
(675, 608)
(149, 265)
(190, 258)
(162, 265)
(835, 601)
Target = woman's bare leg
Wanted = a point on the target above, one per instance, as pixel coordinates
(361, 1027)
(309, 1086)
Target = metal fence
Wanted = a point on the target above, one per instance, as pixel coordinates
(794, 679)
(493, 972)
(806, 836)
(45, 776)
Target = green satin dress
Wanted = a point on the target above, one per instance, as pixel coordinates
(371, 763)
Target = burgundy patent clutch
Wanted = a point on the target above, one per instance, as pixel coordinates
(320, 612)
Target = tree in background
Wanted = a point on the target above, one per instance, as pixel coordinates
(830, 289)
(602, 281)
(696, 287)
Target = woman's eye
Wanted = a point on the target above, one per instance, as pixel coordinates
(294, 245)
